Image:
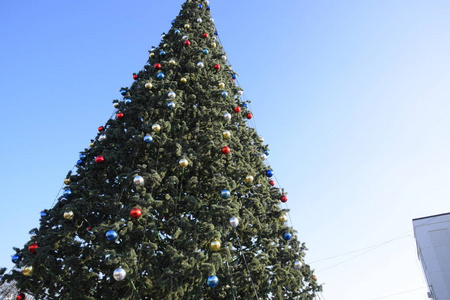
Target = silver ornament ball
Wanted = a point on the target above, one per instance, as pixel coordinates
(138, 180)
(119, 274)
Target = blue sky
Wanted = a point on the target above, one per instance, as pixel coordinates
(352, 97)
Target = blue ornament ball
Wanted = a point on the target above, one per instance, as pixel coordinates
(43, 214)
(176, 31)
(162, 53)
(128, 101)
(266, 152)
(225, 194)
(200, 6)
(208, 8)
(82, 156)
(224, 94)
(111, 235)
(148, 139)
(234, 76)
(67, 193)
(173, 22)
(123, 92)
(287, 236)
(15, 258)
(160, 76)
(171, 105)
(216, 33)
(79, 162)
(245, 105)
(269, 173)
(205, 51)
(212, 281)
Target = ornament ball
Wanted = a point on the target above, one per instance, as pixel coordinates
(269, 173)
(100, 129)
(99, 159)
(226, 134)
(205, 51)
(183, 80)
(33, 248)
(27, 271)
(221, 85)
(187, 43)
(158, 66)
(287, 236)
(224, 94)
(272, 183)
(162, 53)
(226, 150)
(284, 198)
(21, 296)
(68, 215)
(249, 116)
(67, 193)
(215, 245)
(171, 95)
(227, 116)
(123, 92)
(160, 76)
(249, 179)
(234, 222)
(138, 180)
(43, 214)
(205, 35)
(119, 116)
(225, 194)
(217, 67)
(283, 218)
(212, 281)
(156, 127)
(66, 181)
(102, 137)
(136, 213)
(15, 258)
(237, 109)
(111, 235)
(298, 265)
(135, 76)
(200, 65)
(183, 162)
(119, 274)
(148, 139)
(171, 105)
(148, 85)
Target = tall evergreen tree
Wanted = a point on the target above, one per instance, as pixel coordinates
(173, 199)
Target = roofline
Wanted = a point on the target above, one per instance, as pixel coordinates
(444, 214)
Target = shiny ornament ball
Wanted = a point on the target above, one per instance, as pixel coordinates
(172, 62)
(205, 35)
(177, 31)
(184, 37)
(27, 271)
(283, 218)
(227, 116)
(205, 51)
(163, 36)
(119, 274)
(102, 137)
(224, 94)
(234, 76)
(187, 43)
(99, 159)
(33, 248)
(127, 101)
(43, 214)
(136, 213)
(287, 236)
(151, 55)
(269, 173)
(284, 198)
(119, 116)
(156, 127)
(148, 139)
(224, 58)
(215, 245)
(158, 66)
(226, 150)
(171, 105)
(267, 152)
(249, 179)
(206, 2)
(221, 85)
(138, 180)
(100, 129)
(199, 20)
(200, 64)
(249, 116)
(183, 80)
(21, 296)
(148, 85)
(187, 26)
(237, 109)
(82, 156)
(135, 76)
(225, 194)
(240, 93)
(66, 181)
(272, 183)
(234, 222)
(183, 162)
(213, 45)
(171, 95)
(67, 193)
(217, 67)
(79, 162)
(116, 105)
(162, 53)
(112, 235)
(200, 6)
(226, 134)
(15, 258)
(263, 156)
(212, 281)
(216, 33)
(68, 215)
(123, 92)
(160, 76)
(298, 265)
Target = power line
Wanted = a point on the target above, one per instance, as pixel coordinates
(405, 292)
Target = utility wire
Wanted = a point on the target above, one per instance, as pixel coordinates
(405, 292)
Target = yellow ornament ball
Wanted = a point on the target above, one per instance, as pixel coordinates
(183, 162)
(66, 181)
(172, 62)
(151, 55)
(221, 85)
(249, 179)
(183, 80)
(226, 134)
(213, 45)
(283, 218)
(27, 271)
(187, 26)
(156, 127)
(148, 85)
(68, 215)
(215, 245)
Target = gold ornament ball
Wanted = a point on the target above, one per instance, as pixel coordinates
(283, 218)
(172, 62)
(215, 245)
(213, 45)
(187, 26)
(116, 105)
(183, 80)
(183, 162)
(226, 134)
(66, 181)
(149, 85)
(68, 215)
(221, 85)
(156, 127)
(151, 55)
(249, 179)
(27, 271)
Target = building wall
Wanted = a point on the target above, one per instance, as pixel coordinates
(433, 246)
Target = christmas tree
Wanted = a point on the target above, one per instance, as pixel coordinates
(173, 199)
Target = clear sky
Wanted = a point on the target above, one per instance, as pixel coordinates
(352, 96)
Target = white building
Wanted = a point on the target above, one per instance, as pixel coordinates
(433, 246)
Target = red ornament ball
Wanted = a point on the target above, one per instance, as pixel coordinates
(119, 116)
(272, 183)
(101, 128)
(136, 213)
(157, 66)
(226, 150)
(284, 198)
(249, 116)
(237, 109)
(135, 76)
(33, 248)
(187, 43)
(205, 35)
(21, 296)
(99, 159)
(217, 67)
